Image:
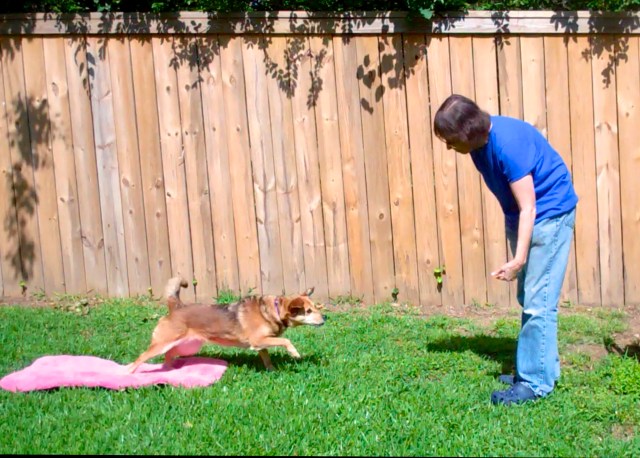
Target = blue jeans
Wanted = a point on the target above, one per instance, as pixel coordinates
(539, 287)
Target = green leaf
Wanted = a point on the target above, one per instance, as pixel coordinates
(426, 13)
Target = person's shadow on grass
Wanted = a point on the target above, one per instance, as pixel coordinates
(500, 349)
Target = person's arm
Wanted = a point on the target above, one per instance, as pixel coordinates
(525, 196)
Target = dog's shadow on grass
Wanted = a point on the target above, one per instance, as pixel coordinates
(500, 349)
(253, 362)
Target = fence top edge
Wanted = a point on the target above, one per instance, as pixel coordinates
(301, 22)
(328, 14)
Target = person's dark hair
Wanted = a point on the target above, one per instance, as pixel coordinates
(460, 119)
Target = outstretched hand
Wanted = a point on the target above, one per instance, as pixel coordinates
(509, 271)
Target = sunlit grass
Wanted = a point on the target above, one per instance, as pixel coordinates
(375, 381)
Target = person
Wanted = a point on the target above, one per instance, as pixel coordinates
(534, 188)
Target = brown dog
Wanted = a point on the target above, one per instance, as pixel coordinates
(255, 322)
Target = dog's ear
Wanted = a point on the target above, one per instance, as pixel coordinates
(296, 307)
(309, 291)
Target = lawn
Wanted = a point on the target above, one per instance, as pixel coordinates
(377, 381)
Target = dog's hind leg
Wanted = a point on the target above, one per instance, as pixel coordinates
(170, 356)
(155, 349)
(266, 359)
(183, 348)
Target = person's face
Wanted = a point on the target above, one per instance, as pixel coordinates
(461, 147)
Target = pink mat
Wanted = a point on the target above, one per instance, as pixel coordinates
(67, 370)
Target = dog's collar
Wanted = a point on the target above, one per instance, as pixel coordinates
(276, 301)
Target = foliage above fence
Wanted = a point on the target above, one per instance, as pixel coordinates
(424, 7)
(499, 23)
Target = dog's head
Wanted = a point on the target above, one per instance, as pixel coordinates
(302, 310)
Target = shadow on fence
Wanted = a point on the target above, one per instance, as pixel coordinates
(256, 30)
(600, 24)
(31, 124)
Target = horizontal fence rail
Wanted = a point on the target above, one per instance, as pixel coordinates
(273, 152)
(309, 23)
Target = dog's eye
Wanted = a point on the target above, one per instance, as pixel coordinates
(308, 311)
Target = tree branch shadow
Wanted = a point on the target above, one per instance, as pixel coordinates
(601, 40)
(30, 119)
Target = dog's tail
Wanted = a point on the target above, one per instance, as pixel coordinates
(172, 291)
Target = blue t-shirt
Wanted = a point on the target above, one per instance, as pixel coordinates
(514, 150)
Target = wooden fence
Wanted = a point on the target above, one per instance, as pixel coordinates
(278, 151)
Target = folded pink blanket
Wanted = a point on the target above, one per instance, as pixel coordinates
(68, 370)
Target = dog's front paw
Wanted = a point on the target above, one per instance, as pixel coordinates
(293, 352)
(130, 368)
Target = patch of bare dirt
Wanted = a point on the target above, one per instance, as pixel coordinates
(594, 351)
(64, 302)
(26, 301)
(624, 432)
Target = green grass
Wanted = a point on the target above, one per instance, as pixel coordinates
(373, 381)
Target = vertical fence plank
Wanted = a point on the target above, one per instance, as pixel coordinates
(487, 97)
(155, 207)
(533, 85)
(399, 169)
(282, 82)
(259, 88)
(353, 168)
(129, 163)
(533, 82)
(195, 160)
(422, 174)
(27, 255)
(173, 161)
(559, 132)
(65, 170)
(43, 167)
(375, 157)
(331, 180)
(84, 152)
(608, 172)
(510, 76)
(7, 210)
(217, 148)
(308, 180)
(240, 163)
(628, 83)
(10, 259)
(584, 176)
(107, 162)
(445, 177)
(469, 185)
(511, 103)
